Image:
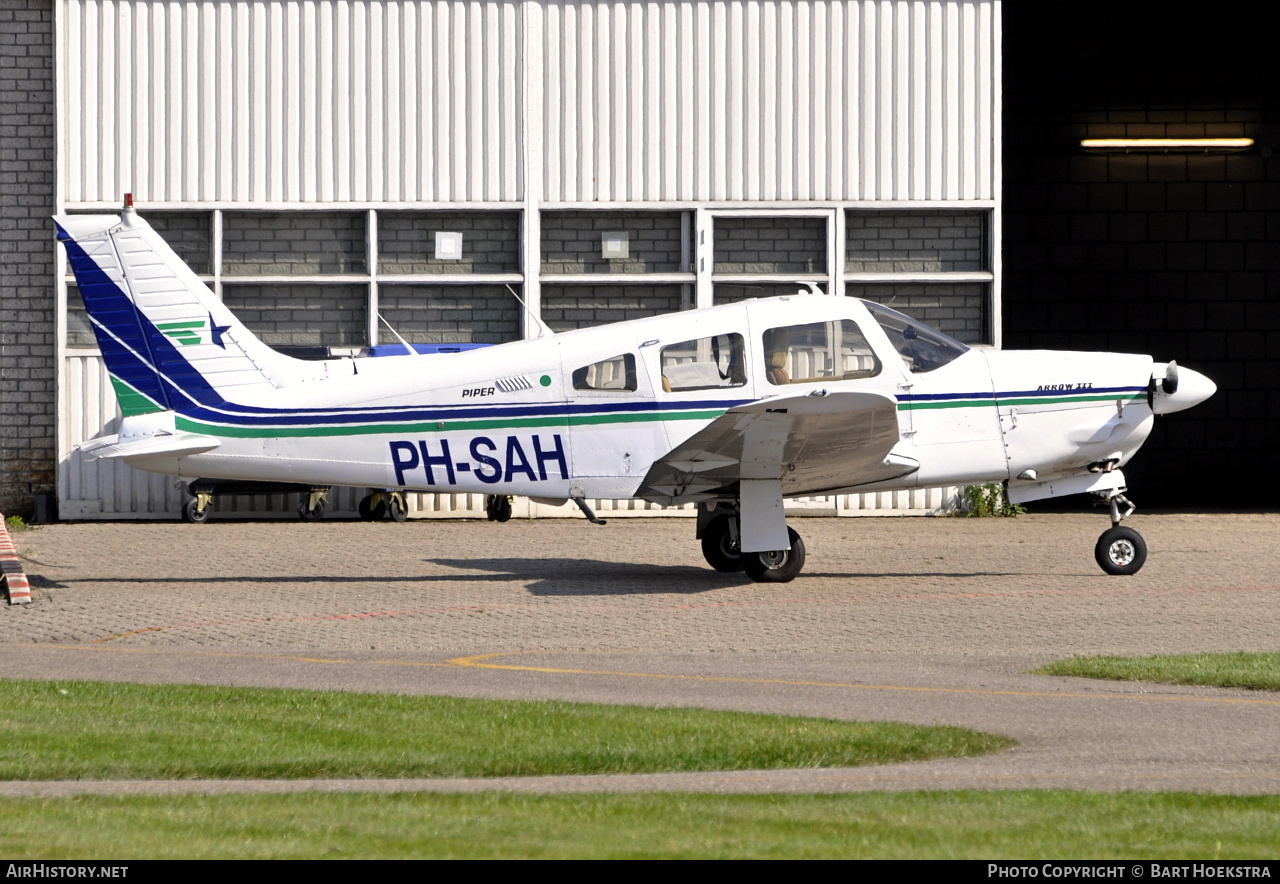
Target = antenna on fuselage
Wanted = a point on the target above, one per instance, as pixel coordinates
(543, 328)
(412, 352)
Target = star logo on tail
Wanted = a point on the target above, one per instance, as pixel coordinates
(215, 332)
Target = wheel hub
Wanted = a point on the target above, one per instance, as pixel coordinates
(1122, 552)
(774, 559)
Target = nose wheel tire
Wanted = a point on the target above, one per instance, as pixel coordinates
(1120, 551)
(776, 566)
(719, 548)
(192, 512)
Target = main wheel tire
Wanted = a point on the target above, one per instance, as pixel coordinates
(395, 506)
(192, 512)
(718, 547)
(1120, 550)
(368, 511)
(778, 566)
(311, 515)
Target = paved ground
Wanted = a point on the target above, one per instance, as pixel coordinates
(918, 620)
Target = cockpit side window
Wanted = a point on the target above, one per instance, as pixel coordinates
(923, 349)
(817, 352)
(705, 363)
(618, 373)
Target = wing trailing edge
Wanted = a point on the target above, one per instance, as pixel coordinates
(811, 444)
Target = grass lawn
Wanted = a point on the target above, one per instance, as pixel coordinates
(100, 730)
(1022, 825)
(1259, 672)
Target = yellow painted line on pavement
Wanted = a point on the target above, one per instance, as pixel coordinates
(482, 661)
(479, 661)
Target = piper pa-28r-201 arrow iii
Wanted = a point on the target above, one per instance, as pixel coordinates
(734, 408)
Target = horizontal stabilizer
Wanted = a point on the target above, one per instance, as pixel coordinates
(111, 448)
(148, 435)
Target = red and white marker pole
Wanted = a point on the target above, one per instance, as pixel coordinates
(11, 573)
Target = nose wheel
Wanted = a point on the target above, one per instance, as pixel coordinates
(1120, 550)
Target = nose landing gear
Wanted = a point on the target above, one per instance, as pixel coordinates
(1120, 550)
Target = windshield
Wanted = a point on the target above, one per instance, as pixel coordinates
(922, 348)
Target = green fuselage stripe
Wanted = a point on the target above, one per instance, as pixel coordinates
(1028, 400)
(445, 426)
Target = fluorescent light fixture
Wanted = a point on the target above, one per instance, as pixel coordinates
(1167, 145)
(614, 244)
(448, 246)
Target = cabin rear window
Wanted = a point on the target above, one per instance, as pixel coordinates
(615, 373)
(817, 352)
(704, 364)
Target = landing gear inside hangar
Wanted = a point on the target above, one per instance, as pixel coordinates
(312, 504)
(374, 507)
(720, 547)
(497, 507)
(1120, 550)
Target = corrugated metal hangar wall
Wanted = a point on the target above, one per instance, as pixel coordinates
(301, 156)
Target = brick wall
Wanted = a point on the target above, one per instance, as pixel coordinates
(1173, 255)
(28, 369)
(571, 242)
(449, 314)
(490, 242)
(958, 310)
(904, 242)
(770, 245)
(188, 234)
(298, 243)
(302, 315)
(566, 307)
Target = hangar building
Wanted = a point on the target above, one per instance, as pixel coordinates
(335, 167)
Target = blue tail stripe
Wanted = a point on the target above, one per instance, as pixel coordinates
(111, 310)
(140, 347)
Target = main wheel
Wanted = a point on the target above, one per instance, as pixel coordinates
(192, 512)
(1120, 551)
(368, 511)
(311, 515)
(718, 547)
(776, 566)
(395, 506)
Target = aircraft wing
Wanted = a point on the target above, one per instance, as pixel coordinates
(812, 443)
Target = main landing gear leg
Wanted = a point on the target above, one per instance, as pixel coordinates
(1120, 550)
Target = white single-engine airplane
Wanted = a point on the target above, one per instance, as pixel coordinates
(734, 407)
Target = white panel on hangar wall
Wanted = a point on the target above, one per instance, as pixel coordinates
(767, 100)
(254, 101)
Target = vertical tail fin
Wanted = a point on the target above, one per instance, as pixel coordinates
(168, 342)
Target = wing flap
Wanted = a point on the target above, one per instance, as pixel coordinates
(811, 443)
